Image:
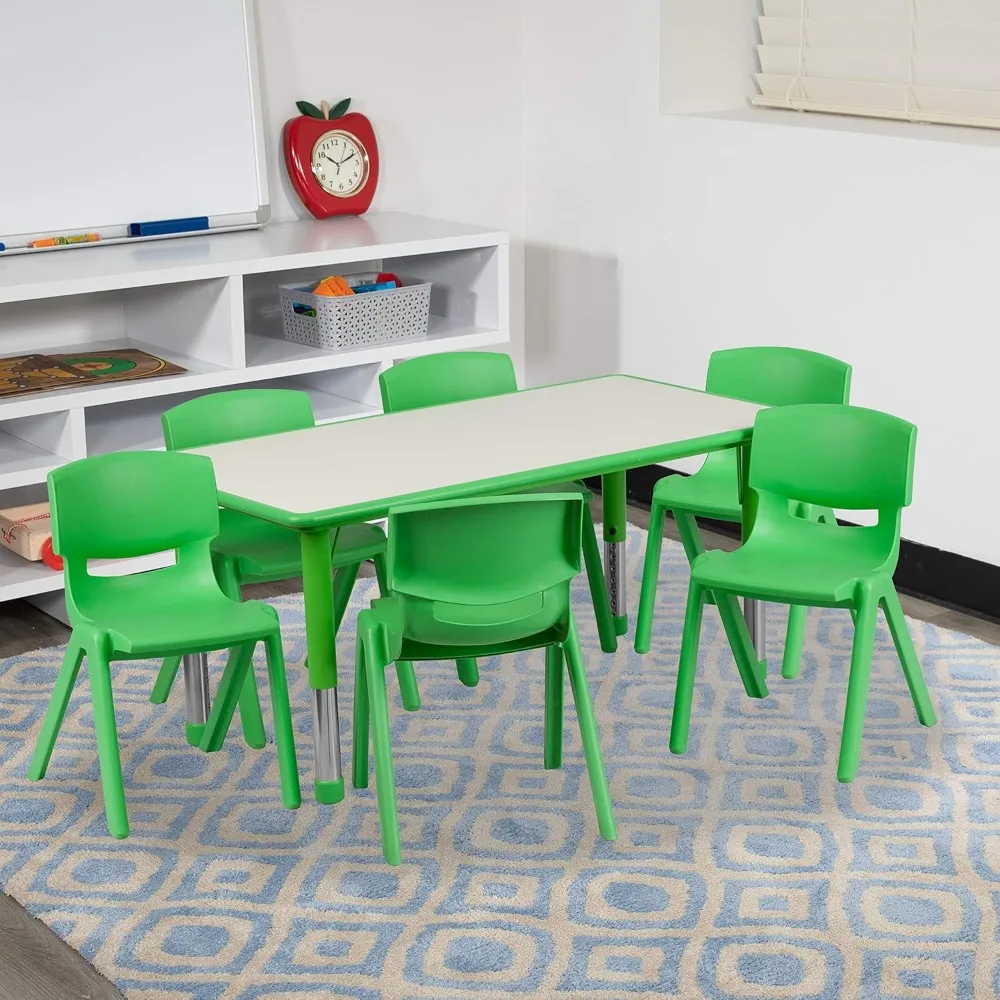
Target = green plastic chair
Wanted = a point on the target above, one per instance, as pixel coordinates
(775, 376)
(455, 377)
(131, 504)
(831, 456)
(249, 550)
(472, 578)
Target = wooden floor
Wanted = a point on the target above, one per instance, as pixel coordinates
(36, 965)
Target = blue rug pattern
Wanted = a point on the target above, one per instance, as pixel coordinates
(743, 870)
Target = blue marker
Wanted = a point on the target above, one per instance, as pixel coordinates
(168, 227)
(2, 247)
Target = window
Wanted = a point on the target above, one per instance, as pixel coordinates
(913, 60)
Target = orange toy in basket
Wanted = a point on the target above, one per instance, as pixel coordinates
(334, 285)
(28, 532)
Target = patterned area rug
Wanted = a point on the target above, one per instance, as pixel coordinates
(742, 870)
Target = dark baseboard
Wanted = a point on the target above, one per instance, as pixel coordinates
(943, 577)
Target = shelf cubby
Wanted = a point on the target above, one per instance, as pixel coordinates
(31, 446)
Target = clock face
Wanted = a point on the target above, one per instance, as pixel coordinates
(340, 163)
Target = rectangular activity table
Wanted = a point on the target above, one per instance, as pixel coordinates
(318, 479)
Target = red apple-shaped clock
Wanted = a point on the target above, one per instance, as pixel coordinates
(332, 159)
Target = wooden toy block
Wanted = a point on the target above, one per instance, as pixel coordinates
(25, 530)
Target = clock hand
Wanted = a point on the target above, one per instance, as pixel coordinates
(346, 158)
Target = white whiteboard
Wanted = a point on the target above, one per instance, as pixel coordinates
(120, 111)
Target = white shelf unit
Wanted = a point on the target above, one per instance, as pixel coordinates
(210, 304)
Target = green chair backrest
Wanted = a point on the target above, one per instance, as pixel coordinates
(484, 571)
(845, 457)
(452, 377)
(774, 376)
(234, 415)
(778, 376)
(131, 503)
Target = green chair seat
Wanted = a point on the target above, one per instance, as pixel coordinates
(140, 615)
(713, 491)
(262, 552)
(823, 455)
(820, 564)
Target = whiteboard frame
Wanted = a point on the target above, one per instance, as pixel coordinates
(216, 223)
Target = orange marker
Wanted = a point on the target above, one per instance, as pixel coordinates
(61, 241)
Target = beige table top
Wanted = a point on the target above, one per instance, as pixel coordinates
(351, 471)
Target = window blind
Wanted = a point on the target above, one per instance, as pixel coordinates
(913, 60)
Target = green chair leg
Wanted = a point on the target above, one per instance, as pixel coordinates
(56, 712)
(359, 742)
(229, 693)
(589, 735)
(251, 718)
(554, 696)
(343, 584)
(385, 786)
(468, 672)
(795, 637)
(250, 714)
(752, 671)
(107, 744)
(687, 529)
(680, 724)
(408, 689)
(857, 689)
(598, 588)
(650, 579)
(284, 736)
(690, 536)
(165, 680)
(908, 658)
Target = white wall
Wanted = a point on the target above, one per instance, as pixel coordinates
(587, 130)
(441, 81)
(708, 232)
(879, 250)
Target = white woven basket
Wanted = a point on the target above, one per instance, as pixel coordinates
(347, 322)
